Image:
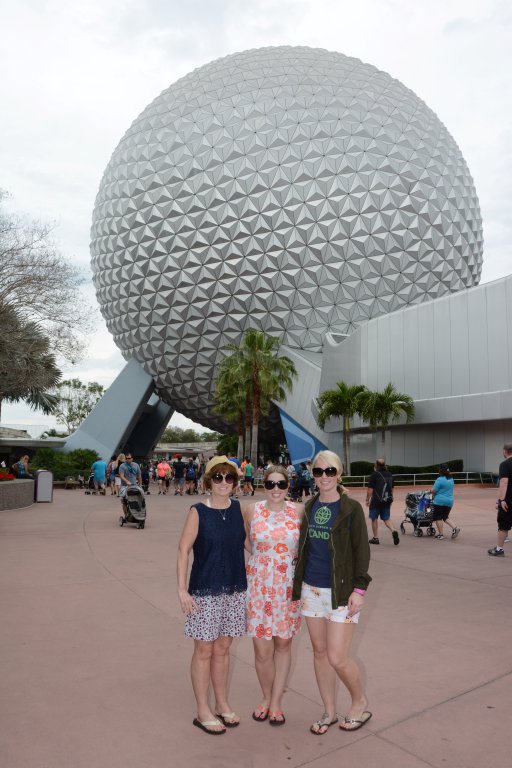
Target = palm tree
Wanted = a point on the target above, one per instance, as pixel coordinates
(262, 375)
(380, 409)
(28, 370)
(230, 400)
(343, 402)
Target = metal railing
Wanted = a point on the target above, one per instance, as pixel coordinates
(427, 478)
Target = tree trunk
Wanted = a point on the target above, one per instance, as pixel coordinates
(248, 417)
(240, 449)
(255, 420)
(346, 444)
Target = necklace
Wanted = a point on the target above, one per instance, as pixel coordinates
(222, 512)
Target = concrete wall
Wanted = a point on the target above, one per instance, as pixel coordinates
(453, 355)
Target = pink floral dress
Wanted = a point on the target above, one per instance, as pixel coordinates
(274, 540)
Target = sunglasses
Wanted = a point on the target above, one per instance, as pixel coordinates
(271, 484)
(218, 477)
(329, 471)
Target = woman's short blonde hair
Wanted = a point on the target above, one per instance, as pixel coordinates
(330, 458)
(277, 469)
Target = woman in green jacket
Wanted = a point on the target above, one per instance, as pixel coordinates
(331, 578)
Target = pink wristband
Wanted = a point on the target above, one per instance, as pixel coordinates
(359, 591)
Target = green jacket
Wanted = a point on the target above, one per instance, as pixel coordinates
(349, 548)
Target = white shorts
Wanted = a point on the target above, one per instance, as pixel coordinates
(117, 481)
(316, 604)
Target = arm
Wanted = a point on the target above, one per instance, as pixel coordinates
(247, 514)
(188, 536)
(502, 492)
(361, 560)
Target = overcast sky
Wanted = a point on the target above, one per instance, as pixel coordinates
(75, 75)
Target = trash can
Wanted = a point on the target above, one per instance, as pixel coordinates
(43, 486)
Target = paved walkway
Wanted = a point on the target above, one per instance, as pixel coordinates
(94, 665)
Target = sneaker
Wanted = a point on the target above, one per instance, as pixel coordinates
(495, 552)
(374, 540)
(455, 533)
(439, 536)
(507, 540)
(396, 538)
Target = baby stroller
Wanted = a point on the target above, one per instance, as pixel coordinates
(90, 488)
(418, 511)
(134, 507)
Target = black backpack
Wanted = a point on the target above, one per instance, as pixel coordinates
(386, 494)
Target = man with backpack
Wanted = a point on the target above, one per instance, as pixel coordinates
(379, 497)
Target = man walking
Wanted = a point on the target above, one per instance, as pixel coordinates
(379, 498)
(504, 502)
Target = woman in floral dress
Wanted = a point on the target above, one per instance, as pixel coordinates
(272, 529)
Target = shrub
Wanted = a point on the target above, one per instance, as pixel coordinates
(62, 464)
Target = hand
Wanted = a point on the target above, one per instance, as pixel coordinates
(355, 603)
(187, 602)
(504, 505)
(367, 502)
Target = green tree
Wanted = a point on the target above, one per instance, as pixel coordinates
(227, 445)
(231, 396)
(343, 402)
(259, 371)
(380, 409)
(75, 401)
(28, 370)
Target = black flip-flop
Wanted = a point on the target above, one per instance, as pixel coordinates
(262, 716)
(356, 722)
(227, 719)
(277, 717)
(206, 726)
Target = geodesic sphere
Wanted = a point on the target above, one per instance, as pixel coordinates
(293, 190)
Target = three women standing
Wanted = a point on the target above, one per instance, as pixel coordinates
(327, 542)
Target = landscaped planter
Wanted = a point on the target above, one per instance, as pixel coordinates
(16, 494)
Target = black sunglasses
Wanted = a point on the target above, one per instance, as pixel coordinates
(270, 484)
(218, 477)
(329, 471)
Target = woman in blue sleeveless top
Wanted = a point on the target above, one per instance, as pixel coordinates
(214, 602)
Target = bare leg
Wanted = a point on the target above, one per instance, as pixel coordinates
(265, 667)
(389, 525)
(502, 535)
(439, 524)
(282, 663)
(375, 528)
(325, 674)
(219, 670)
(200, 673)
(339, 637)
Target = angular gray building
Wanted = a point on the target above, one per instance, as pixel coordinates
(290, 189)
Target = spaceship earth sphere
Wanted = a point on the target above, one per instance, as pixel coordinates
(290, 189)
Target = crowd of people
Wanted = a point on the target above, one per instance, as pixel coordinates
(308, 555)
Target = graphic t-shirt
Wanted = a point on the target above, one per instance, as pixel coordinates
(318, 564)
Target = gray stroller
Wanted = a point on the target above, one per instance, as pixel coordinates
(418, 511)
(134, 507)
